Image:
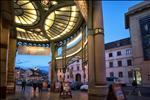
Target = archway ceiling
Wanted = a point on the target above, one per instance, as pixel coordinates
(37, 23)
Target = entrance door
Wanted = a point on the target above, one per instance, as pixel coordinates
(137, 76)
(78, 77)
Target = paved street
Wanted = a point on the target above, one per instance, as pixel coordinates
(77, 95)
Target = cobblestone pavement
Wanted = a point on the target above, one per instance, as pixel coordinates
(44, 95)
(77, 95)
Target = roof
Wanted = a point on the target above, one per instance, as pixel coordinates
(119, 43)
(143, 6)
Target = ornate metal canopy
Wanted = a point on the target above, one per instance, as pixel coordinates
(36, 22)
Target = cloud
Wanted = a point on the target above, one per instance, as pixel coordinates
(21, 61)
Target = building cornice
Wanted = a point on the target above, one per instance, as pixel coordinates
(135, 10)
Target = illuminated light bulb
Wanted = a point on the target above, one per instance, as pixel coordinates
(54, 2)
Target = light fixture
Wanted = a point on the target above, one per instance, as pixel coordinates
(54, 2)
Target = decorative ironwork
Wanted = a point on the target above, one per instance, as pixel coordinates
(20, 43)
(36, 25)
(26, 13)
(61, 21)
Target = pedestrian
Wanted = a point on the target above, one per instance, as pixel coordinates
(40, 86)
(34, 86)
(57, 86)
(61, 88)
(111, 94)
(134, 84)
(23, 85)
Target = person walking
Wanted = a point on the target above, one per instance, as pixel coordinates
(134, 84)
(61, 88)
(135, 88)
(40, 86)
(34, 86)
(23, 85)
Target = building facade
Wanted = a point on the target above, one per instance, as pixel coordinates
(119, 62)
(138, 22)
(74, 71)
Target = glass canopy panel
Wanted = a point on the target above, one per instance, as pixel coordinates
(23, 34)
(25, 12)
(64, 22)
(49, 21)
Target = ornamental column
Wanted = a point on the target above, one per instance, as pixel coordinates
(4, 42)
(96, 53)
(11, 64)
(53, 67)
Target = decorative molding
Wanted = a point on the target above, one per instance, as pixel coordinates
(98, 31)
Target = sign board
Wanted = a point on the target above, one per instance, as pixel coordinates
(118, 92)
(32, 50)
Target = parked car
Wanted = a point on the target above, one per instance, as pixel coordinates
(84, 87)
(18, 82)
(76, 85)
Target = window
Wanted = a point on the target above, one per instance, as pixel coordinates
(120, 74)
(64, 77)
(111, 74)
(119, 63)
(78, 68)
(110, 64)
(148, 76)
(118, 53)
(67, 76)
(72, 68)
(128, 51)
(110, 54)
(130, 74)
(84, 76)
(129, 62)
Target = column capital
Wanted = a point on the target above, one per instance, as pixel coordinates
(99, 31)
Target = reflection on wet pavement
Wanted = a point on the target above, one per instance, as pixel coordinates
(29, 94)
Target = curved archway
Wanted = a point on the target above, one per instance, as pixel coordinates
(78, 77)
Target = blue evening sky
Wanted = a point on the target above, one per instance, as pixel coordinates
(113, 14)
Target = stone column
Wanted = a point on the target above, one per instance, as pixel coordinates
(96, 53)
(4, 42)
(53, 67)
(11, 65)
